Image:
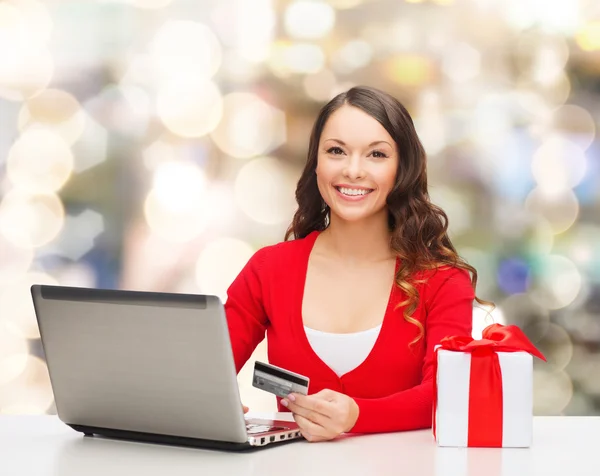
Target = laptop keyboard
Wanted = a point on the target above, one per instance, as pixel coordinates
(253, 428)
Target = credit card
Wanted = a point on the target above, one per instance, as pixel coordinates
(278, 381)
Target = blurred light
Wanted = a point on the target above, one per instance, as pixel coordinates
(179, 185)
(319, 86)
(353, 55)
(54, 110)
(190, 109)
(552, 390)
(150, 4)
(430, 123)
(302, 58)
(186, 49)
(249, 126)
(576, 122)
(456, 206)
(410, 70)
(581, 244)
(14, 261)
(513, 276)
(461, 62)
(532, 317)
(26, 67)
(30, 221)
(39, 161)
(16, 306)
(558, 165)
(557, 282)
(556, 92)
(588, 37)
(30, 393)
(91, 149)
(558, 16)
(556, 346)
(485, 264)
(308, 19)
(177, 208)
(345, 4)
(219, 263)
(12, 348)
(491, 121)
(79, 233)
(132, 111)
(483, 316)
(265, 191)
(158, 153)
(559, 209)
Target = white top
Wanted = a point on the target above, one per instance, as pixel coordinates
(342, 352)
(43, 446)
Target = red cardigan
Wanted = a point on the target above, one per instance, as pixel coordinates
(393, 386)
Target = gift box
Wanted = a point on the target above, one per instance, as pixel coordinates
(483, 389)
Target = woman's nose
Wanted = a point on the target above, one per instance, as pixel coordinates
(354, 168)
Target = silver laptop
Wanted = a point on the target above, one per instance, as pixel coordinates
(147, 366)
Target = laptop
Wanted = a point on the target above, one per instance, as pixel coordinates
(146, 366)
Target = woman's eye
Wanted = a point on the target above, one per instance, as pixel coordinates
(378, 154)
(335, 151)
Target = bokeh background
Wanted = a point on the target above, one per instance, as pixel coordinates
(155, 145)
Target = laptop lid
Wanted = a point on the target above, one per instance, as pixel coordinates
(157, 363)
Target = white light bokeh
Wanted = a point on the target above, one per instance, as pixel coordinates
(456, 206)
(553, 391)
(560, 209)
(150, 4)
(249, 126)
(56, 111)
(177, 208)
(14, 261)
(353, 55)
(461, 62)
(219, 263)
(254, 28)
(158, 153)
(575, 121)
(558, 165)
(12, 349)
(30, 221)
(30, 392)
(190, 109)
(484, 316)
(556, 346)
(557, 283)
(308, 19)
(319, 86)
(16, 306)
(183, 48)
(40, 161)
(264, 190)
(301, 58)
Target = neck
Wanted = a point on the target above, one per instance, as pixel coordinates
(361, 241)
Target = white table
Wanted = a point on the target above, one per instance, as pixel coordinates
(42, 445)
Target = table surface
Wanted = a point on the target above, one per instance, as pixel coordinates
(42, 445)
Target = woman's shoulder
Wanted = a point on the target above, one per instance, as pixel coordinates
(431, 280)
(283, 253)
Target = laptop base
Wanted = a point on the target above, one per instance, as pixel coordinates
(165, 439)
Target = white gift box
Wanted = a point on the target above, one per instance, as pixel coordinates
(453, 383)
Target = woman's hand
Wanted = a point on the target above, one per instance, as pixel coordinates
(324, 415)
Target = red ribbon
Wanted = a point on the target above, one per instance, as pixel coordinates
(485, 389)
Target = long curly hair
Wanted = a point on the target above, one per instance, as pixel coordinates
(418, 228)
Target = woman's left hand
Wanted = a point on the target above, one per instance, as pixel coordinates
(323, 415)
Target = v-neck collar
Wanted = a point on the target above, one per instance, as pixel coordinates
(298, 318)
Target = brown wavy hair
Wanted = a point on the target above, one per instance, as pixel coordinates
(418, 228)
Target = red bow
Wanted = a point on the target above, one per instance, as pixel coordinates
(485, 390)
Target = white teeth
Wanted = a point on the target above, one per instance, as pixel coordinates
(353, 191)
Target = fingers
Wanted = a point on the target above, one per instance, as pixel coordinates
(312, 429)
(312, 415)
(314, 403)
(245, 408)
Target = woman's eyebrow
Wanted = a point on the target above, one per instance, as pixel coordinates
(341, 142)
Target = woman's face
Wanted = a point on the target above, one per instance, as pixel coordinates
(356, 164)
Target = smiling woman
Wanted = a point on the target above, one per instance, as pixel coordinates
(370, 283)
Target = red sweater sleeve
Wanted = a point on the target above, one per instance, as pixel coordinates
(246, 317)
(449, 311)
